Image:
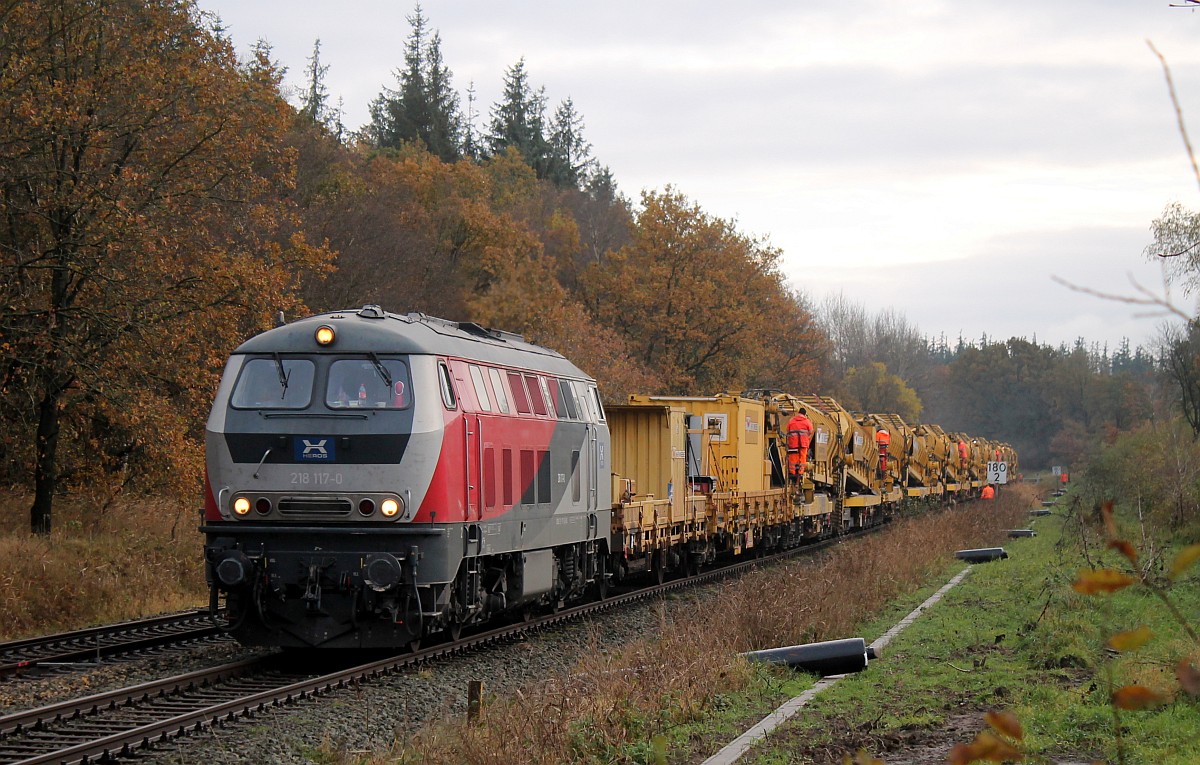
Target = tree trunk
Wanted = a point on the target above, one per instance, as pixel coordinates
(45, 471)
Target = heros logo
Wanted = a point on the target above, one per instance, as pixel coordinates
(313, 449)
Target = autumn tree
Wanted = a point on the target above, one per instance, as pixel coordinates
(860, 337)
(142, 233)
(695, 299)
(872, 388)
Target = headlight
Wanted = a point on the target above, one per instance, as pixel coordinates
(389, 508)
(241, 506)
(324, 335)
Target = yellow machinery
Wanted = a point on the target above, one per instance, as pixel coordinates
(814, 492)
(927, 467)
(907, 466)
(727, 460)
(657, 512)
(857, 484)
(953, 470)
(697, 476)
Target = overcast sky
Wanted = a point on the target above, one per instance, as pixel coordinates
(947, 159)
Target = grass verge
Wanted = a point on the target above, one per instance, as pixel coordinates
(135, 558)
(1014, 636)
(684, 693)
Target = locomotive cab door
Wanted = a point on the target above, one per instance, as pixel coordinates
(473, 450)
(472, 426)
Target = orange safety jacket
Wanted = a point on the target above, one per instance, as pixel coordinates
(799, 436)
(883, 439)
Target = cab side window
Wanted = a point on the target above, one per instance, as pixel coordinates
(447, 386)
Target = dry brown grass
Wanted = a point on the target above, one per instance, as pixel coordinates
(621, 698)
(138, 557)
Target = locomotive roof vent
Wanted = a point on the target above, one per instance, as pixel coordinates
(371, 312)
(495, 334)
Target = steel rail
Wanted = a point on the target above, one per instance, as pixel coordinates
(94, 643)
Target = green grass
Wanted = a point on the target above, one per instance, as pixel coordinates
(1012, 636)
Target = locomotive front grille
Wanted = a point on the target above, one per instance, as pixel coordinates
(315, 507)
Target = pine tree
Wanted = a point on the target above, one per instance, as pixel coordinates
(424, 107)
(518, 120)
(602, 185)
(445, 122)
(315, 106)
(413, 118)
(471, 146)
(570, 153)
(315, 97)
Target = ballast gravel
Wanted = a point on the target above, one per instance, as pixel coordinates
(42, 687)
(371, 717)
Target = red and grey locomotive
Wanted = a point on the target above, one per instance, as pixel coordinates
(372, 478)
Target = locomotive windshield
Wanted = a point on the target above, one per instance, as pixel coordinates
(373, 383)
(274, 383)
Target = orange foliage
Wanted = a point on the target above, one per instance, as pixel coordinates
(1136, 697)
(1130, 640)
(1186, 558)
(1125, 548)
(151, 178)
(1101, 581)
(1005, 723)
(985, 747)
(701, 305)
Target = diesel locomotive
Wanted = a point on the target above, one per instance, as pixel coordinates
(372, 477)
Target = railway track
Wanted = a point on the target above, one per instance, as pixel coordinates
(119, 723)
(50, 652)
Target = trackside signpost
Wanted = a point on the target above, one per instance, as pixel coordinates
(997, 472)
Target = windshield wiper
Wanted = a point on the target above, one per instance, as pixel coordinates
(382, 370)
(283, 376)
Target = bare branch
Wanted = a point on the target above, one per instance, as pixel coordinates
(1163, 303)
(1178, 111)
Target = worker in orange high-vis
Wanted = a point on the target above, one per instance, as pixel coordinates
(798, 438)
(962, 452)
(883, 439)
(988, 492)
